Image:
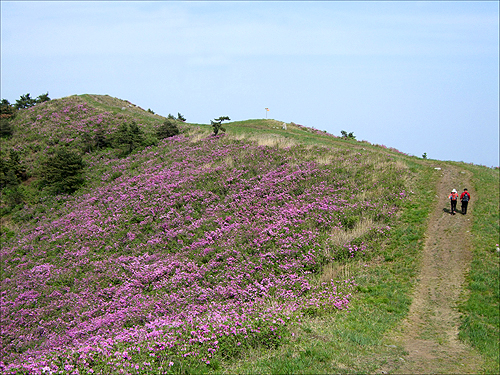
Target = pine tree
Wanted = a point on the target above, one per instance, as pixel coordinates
(128, 138)
(25, 101)
(6, 109)
(63, 171)
(217, 124)
(5, 128)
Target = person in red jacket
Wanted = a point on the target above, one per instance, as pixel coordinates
(453, 197)
(464, 198)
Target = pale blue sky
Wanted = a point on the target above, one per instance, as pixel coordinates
(416, 76)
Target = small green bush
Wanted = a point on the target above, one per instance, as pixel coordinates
(6, 109)
(6, 129)
(168, 129)
(13, 196)
(11, 170)
(115, 175)
(346, 135)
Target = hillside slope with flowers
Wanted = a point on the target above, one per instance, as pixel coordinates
(186, 252)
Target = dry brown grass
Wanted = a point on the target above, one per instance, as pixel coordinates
(7, 223)
(238, 137)
(275, 124)
(229, 161)
(390, 164)
(272, 140)
(335, 271)
(325, 159)
(197, 134)
(339, 237)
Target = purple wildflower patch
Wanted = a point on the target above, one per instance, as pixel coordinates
(184, 256)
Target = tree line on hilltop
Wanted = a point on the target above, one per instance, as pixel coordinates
(8, 111)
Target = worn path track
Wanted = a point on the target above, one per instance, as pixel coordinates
(430, 332)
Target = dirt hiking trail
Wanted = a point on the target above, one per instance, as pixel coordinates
(430, 332)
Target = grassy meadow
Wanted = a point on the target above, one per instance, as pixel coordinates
(270, 248)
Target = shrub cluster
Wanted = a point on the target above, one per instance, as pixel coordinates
(6, 129)
(12, 173)
(70, 123)
(7, 113)
(6, 109)
(168, 129)
(346, 135)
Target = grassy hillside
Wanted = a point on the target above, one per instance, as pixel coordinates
(211, 254)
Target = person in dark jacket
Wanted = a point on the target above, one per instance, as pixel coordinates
(464, 198)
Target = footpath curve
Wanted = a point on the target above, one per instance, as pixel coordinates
(430, 332)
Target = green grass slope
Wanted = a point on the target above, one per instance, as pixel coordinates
(481, 323)
(272, 248)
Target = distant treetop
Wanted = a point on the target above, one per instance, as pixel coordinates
(26, 101)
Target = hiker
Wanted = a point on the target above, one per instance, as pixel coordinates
(453, 197)
(464, 198)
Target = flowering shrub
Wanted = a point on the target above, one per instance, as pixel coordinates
(185, 254)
